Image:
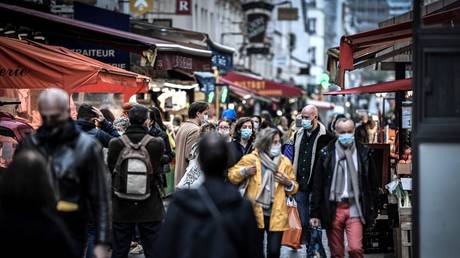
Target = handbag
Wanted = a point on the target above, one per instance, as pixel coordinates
(292, 236)
(193, 176)
(315, 243)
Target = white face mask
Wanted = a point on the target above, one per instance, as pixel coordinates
(275, 150)
(256, 125)
(205, 118)
(224, 132)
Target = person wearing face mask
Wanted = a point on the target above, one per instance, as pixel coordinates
(79, 175)
(243, 139)
(256, 120)
(309, 139)
(271, 179)
(188, 135)
(344, 191)
(223, 128)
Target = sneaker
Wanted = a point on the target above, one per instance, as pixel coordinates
(137, 250)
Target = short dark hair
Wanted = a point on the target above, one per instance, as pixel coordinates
(213, 163)
(26, 184)
(108, 115)
(138, 114)
(85, 112)
(155, 115)
(196, 107)
(239, 124)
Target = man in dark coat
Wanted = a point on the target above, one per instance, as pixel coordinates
(146, 214)
(308, 141)
(344, 191)
(78, 172)
(214, 220)
(86, 120)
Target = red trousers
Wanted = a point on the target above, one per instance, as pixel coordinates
(352, 227)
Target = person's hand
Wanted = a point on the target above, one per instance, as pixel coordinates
(250, 171)
(100, 116)
(101, 251)
(315, 222)
(281, 178)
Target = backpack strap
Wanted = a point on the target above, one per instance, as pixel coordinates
(145, 140)
(126, 141)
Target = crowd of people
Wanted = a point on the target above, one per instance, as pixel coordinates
(94, 187)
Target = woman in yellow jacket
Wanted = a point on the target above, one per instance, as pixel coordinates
(270, 177)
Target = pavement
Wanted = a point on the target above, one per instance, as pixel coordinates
(287, 252)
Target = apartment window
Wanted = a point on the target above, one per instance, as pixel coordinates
(312, 25)
(312, 54)
(311, 3)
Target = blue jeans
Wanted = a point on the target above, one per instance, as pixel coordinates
(91, 235)
(303, 206)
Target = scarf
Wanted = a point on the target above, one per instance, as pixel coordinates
(266, 195)
(345, 159)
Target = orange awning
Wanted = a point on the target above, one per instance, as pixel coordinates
(31, 65)
(392, 86)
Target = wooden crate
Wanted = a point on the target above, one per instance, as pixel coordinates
(406, 240)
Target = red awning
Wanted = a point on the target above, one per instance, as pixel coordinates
(235, 88)
(30, 65)
(169, 54)
(392, 86)
(360, 46)
(262, 87)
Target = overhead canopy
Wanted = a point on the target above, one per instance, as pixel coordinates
(392, 86)
(170, 54)
(30, 65)
(362, 49)
(260, 86)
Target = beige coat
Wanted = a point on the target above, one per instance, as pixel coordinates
(186, 136)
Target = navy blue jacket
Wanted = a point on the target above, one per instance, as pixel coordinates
(103, 135)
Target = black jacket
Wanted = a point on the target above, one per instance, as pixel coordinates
(103, 135)
(151, 209)
(35, 233)
(324, 209)
(236, 151)
(168, 154)
(79, 177)
(322, 142)
(191, 231)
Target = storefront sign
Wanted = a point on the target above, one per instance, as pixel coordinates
(170, 61)
(13, 72)
(223, 61)
(288, 14)
(140, 7)
(184, 7)
(407, 117)
(99, 16)
(256, 27)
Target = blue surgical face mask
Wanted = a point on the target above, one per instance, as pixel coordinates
(275, 150)
(306, 124)
(246, 133)
(346, 139)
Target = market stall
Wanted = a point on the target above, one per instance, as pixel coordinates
(28, 67)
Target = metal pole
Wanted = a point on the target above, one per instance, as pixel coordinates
(400, 73)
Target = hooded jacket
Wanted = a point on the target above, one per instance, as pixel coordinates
(190, 230)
